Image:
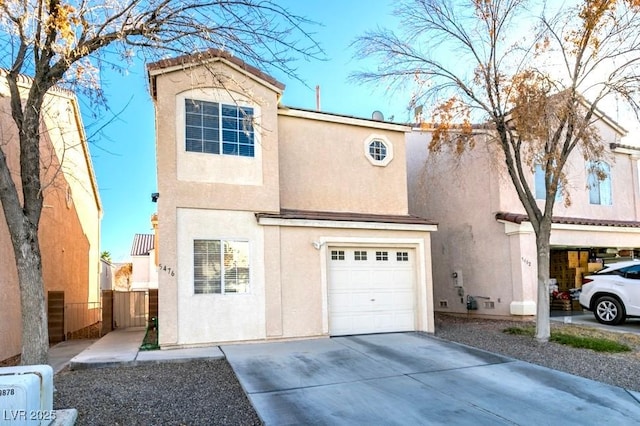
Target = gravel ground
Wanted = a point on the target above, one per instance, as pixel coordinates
(207, 392)
(621, 369)
(189, 393)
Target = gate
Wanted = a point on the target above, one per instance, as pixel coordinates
(130, 308)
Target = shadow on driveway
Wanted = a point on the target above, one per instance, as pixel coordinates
(412, 378)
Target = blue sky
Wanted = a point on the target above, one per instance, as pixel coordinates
(124, 153)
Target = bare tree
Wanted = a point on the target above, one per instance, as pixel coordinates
(67, 43)
(535, 88)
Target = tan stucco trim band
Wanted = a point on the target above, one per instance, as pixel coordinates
(511, 228)
(342, 119)
(584, 223)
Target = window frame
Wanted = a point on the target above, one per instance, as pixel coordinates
(223, 271)
(382, 140)
(600, 191)
(337, 254)
(223, 125)
(540, 184)
(360, 255)
(402, 256)
(382, 256)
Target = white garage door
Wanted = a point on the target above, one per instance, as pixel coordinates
(371, 290)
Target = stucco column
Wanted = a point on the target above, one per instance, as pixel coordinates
(167, 282)
(522, 252)
(273, 281)
(635, 184)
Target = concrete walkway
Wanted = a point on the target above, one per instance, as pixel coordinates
(410, 378)
(61, 354)
(120, 347)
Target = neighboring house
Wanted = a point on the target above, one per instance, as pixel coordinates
(107, 275)
(277, 222)
(69, 231)
(144, 273)
(484, 251)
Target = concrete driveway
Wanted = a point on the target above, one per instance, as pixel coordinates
(411, 378)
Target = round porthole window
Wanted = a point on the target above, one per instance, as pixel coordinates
(378, 150)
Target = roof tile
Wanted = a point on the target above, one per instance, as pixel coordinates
(142, 244)
(519, 218)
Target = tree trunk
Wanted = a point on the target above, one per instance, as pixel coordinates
(543, 328)
(35, 333)
(23, 217)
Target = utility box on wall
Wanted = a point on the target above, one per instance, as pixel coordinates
(457, 278)
(26, 395)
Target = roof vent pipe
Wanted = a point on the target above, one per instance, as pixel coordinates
(318, 98)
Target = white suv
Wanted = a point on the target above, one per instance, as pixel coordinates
(613, 293)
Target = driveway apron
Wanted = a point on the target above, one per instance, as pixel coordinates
(412, 378)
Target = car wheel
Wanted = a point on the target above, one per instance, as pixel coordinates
(608, 310)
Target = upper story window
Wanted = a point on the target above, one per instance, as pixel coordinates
(541, 186)
(599, 182)
(216, 128)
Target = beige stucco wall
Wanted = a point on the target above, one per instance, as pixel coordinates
(461, 195)
(69, 228)
(324, 166)
(194, 180)
(66, 130)
(144, 273)
(205, 318)
(190, 181)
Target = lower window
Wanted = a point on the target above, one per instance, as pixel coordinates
(220, 266)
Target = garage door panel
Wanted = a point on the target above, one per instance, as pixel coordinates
(382, 279)
(347, 301)
(371, 296)
(395, 301)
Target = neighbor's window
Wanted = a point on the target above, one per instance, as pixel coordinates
(599, 182)
(220, 266)
(541, 186)
(216, 128)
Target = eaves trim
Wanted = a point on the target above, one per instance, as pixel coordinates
(342, 119)
(570, 223)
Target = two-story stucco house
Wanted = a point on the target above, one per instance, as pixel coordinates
(69, 229)
(276, 222)
(485, 248)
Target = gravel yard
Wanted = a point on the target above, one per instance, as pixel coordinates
(207, 392)
(189, 393)
(621, 369)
